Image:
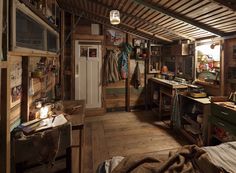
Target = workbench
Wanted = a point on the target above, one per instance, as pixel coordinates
(66, 139)
(164, 88)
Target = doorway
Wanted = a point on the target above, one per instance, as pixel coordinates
(88, 61)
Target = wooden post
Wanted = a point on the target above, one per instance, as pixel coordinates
(72, 78)
(5, 144)
(127, 82)
(25, 87)
(146, 69)
(222, 69)
(62, 53)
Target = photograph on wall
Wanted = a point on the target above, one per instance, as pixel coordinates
(16, 95)
(114, 37)
(15, 83)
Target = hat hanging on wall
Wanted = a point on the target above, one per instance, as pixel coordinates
(114, 17)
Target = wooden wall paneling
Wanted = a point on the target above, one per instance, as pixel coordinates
(15, 67)
(62, 53)
(72, 58)
(25, 86)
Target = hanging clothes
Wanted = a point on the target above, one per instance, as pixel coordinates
(126, 48)
(136, 77)
(175, 118)
(111, 74)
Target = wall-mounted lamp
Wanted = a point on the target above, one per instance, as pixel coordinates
(114, 17)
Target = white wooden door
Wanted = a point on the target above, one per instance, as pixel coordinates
(88, 73)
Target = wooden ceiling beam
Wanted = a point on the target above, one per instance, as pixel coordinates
(230, 4)
(105, 21)
(141, 20)
(179, 17)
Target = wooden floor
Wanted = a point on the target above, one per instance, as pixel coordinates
(125, 133)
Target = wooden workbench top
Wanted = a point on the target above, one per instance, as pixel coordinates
(227, 104)
(169, 83)
(76, 111)
(204, 100)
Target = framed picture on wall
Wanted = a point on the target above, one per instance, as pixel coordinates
(114, 37)
(15, 83)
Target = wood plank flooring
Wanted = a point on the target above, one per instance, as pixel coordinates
(125, 133)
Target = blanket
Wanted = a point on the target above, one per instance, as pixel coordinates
(188, 159)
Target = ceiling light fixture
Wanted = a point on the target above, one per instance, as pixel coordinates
(114, 17)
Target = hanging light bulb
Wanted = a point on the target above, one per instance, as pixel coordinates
(114, 17)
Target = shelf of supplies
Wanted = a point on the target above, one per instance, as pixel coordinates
(39, 14)
(191, 121)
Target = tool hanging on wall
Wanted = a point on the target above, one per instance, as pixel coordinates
(136, 77)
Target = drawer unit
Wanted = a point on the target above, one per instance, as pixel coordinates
(223, 124)
(224, 113)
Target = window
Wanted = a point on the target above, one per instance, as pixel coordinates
(51, 41)
(29, 33)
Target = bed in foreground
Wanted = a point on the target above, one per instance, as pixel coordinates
(188, 159)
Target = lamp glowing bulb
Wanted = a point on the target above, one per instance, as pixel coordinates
(44, 112)
(114, 17)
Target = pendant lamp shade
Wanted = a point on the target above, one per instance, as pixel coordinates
(114, 17)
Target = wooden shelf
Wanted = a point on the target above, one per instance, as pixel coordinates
(191, 121)
(34, 54)
(188, 135)
(207, 84)
(40, 14)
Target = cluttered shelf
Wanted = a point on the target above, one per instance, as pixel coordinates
(37, 8)
(194, 116)
(209, 84)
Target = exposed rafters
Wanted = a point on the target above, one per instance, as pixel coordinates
(231, 4)
(141, 20)
(180, 17)
(105, 20)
